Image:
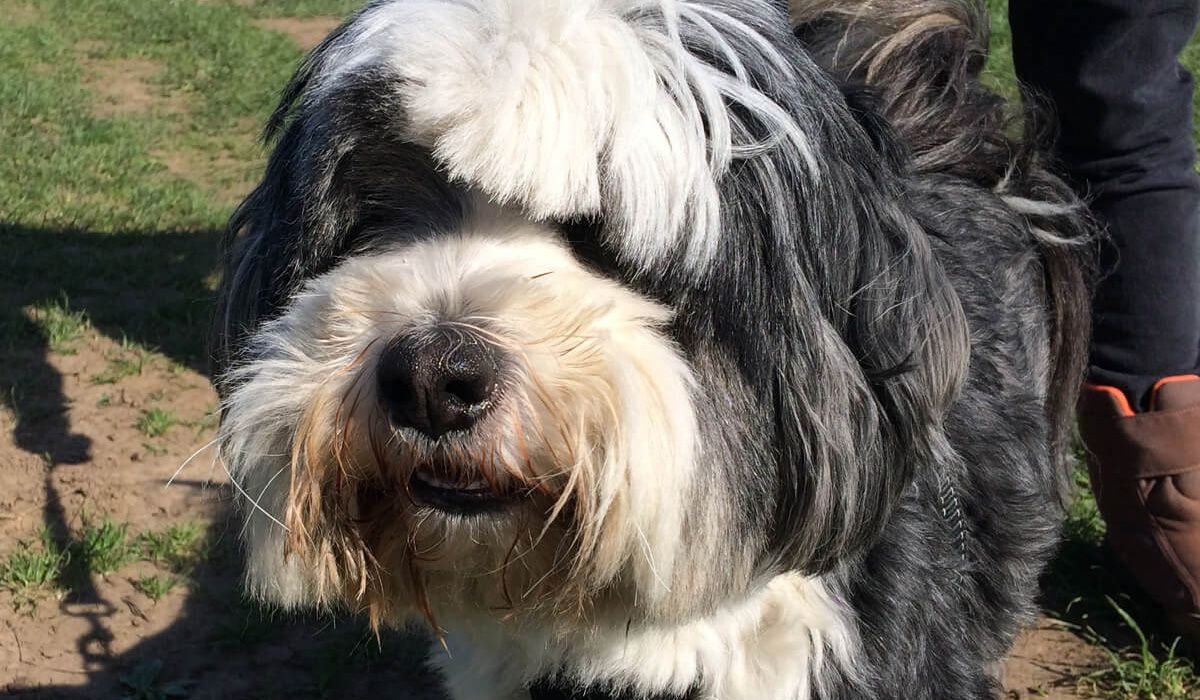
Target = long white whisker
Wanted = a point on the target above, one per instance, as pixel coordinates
(253, 502)
(188, 461)
(263, 493)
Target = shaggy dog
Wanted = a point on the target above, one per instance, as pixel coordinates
(656, 347)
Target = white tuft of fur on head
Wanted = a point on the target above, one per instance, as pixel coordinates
(597, 412)
(570, 108)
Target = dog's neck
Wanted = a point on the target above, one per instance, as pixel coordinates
(786, 635)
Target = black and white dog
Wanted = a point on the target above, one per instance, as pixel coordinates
(657, 347)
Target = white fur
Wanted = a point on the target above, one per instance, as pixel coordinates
(607, 381)
(772, 645)
(575, 107)
(775, 645)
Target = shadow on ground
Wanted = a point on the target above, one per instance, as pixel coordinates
(1086, 589)
(223, 647)
(153, 290)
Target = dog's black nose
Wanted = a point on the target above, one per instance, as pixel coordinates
(438, 382)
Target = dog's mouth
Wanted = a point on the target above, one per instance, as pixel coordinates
(461, 495)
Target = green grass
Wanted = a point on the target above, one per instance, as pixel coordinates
(156, 586)
(999, 73)
(1090, 594)
(1141, 671)
(89, 209)
(31, 567)
(127, 360)
(59, 324)
(104, 547)
(155, 422)
(209, 421)
(178, 547)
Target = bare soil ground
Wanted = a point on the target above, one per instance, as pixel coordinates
(1047, 662)
(307, 32)
(76, 452)
(126, 87)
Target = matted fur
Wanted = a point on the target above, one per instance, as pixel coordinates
(787, 327)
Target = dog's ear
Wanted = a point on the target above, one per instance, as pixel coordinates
(838, 310)
(866, 380)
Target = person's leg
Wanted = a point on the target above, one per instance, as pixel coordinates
(1124, 103)
(1110, 70)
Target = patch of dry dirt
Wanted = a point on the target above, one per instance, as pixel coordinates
(125, 87)
(69, 451)
(77, 447)
(1047, 662)
(22, 13)
(307, 32)
(228, 175)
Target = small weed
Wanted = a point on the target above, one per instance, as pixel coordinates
(105, 547)
(1137, 673)
(178, 547)
(104, 401)
(153, 449)
(32, 566)
(142, 683)
(210, 420)
(155, 587)
(127, 361)
(58, 324)
(155, 422)
(1084, 522)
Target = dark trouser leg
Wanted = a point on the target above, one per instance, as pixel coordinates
(1110, 69)
(1124, 103)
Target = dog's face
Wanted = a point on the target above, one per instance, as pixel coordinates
(554, 307)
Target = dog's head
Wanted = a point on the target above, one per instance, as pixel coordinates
(555, 306)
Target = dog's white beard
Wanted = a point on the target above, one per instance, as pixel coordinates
(599, 412)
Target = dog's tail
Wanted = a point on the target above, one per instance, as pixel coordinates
(923, 59)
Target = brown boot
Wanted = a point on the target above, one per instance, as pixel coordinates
(1145, 470)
